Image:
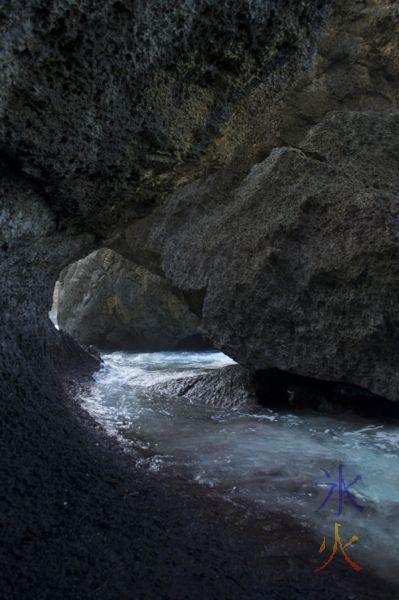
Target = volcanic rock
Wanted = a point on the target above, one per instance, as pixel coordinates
(229, 387)
(301, 263)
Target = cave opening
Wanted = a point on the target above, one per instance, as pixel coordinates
(112, 303)
(190, 418)
(252, 437)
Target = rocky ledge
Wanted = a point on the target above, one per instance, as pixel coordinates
(229, 387)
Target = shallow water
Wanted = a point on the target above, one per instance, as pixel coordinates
(264, 459)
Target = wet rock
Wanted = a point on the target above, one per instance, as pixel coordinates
(110, 302)
(230, 387)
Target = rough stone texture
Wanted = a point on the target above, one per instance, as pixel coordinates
(356, 67)
(103, 104)
(229, 387)
(301, 266)
(110, 302)
(105, 108)
(236, 387)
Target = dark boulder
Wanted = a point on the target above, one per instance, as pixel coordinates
(229, 387)
(301, 263)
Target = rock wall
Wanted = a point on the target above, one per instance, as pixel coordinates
(301, 265)
(298, 260)
(106, 105)
(106, 108)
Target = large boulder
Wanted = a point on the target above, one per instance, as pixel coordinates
(229, 387)
(111, 302)
(301, 264)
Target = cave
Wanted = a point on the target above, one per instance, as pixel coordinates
(111, 303)
(230, 169)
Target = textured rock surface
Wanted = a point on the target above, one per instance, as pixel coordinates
(106, 108)
(235, 387)
(101, 103)
(301, 265)
(225, 388)
(110, 302)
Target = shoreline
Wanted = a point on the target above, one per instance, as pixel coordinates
(175, 540)
(81, 522)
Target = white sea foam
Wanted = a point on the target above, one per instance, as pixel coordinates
(268, 458)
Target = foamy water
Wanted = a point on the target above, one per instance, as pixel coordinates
(266, 459)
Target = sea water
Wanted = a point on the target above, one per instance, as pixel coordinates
(265, 459)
